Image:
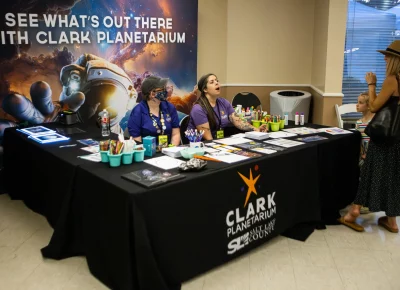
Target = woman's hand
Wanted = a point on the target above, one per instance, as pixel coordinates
(370, 78)
(262, 128)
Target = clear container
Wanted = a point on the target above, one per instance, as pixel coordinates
(105, 123)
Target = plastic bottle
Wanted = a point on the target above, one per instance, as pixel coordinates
(302, 119)
(105, 123)
(296, 119)
(286, 118)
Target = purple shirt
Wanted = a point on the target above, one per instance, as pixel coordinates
(223, 109)
(141, 124)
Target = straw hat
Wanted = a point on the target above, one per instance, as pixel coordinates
(393, 49)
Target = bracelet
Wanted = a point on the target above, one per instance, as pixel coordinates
(372, 84)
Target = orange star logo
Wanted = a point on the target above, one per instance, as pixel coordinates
(251, 183)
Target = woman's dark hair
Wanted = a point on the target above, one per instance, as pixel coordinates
(203, 101)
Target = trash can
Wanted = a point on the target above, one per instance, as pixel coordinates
(290, 101)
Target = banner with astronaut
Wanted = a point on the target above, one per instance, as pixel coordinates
(87, 55)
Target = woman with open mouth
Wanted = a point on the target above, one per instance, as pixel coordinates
(212, 114)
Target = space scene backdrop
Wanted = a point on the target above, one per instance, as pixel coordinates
(39, 39)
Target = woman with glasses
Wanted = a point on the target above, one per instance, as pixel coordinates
(154, 116)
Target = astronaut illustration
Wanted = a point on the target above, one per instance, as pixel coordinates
(90, 85)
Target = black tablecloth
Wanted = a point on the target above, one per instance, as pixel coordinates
(43, 176)
(136, 238)
(174, 232)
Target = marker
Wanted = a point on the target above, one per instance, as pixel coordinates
(63, 146)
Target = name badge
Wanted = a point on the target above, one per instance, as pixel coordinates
(220, 134)
(163, 140)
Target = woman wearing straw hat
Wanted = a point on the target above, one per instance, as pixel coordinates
(379, 187)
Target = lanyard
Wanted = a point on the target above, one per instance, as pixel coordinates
(218, 116)
(155, 123)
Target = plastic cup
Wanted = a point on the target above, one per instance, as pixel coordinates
(281, 124)
(196, 144)
(189, 152)
(115, 160)
(127, 158)
(104, 156)
(256, 123)
(139, 154)
(274, 126)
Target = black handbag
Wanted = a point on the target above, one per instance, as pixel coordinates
(385, 125)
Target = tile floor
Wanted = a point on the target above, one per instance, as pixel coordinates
(336, 258)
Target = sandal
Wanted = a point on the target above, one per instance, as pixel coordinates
(382, 221)
(352, 225)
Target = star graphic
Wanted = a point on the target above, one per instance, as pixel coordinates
(250, 182)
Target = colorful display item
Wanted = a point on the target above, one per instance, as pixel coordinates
(150, 145)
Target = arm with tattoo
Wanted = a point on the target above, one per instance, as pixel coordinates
(239, 123)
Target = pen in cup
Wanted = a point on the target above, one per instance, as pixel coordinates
(63, 146)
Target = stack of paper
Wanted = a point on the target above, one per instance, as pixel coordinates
(239, 135)
(301, 130)
(250, 145)
(43, 135)
(88, 142)
(232, 141)
(36, 131)
(311, 138)
(174, 152)
(281, 134)
(264, 150)
(284, 143)
(257, 135)
(164, 162)
(91, 157)
(92, 149)
(225, 148)
(334, 131)
(227, 157)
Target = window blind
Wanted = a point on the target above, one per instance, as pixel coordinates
(368, 29)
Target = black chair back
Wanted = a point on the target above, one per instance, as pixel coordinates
(247, 100)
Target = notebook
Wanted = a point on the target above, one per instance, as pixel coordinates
(151, 177)
(36, 131)
(257, 135)
(48, 138)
